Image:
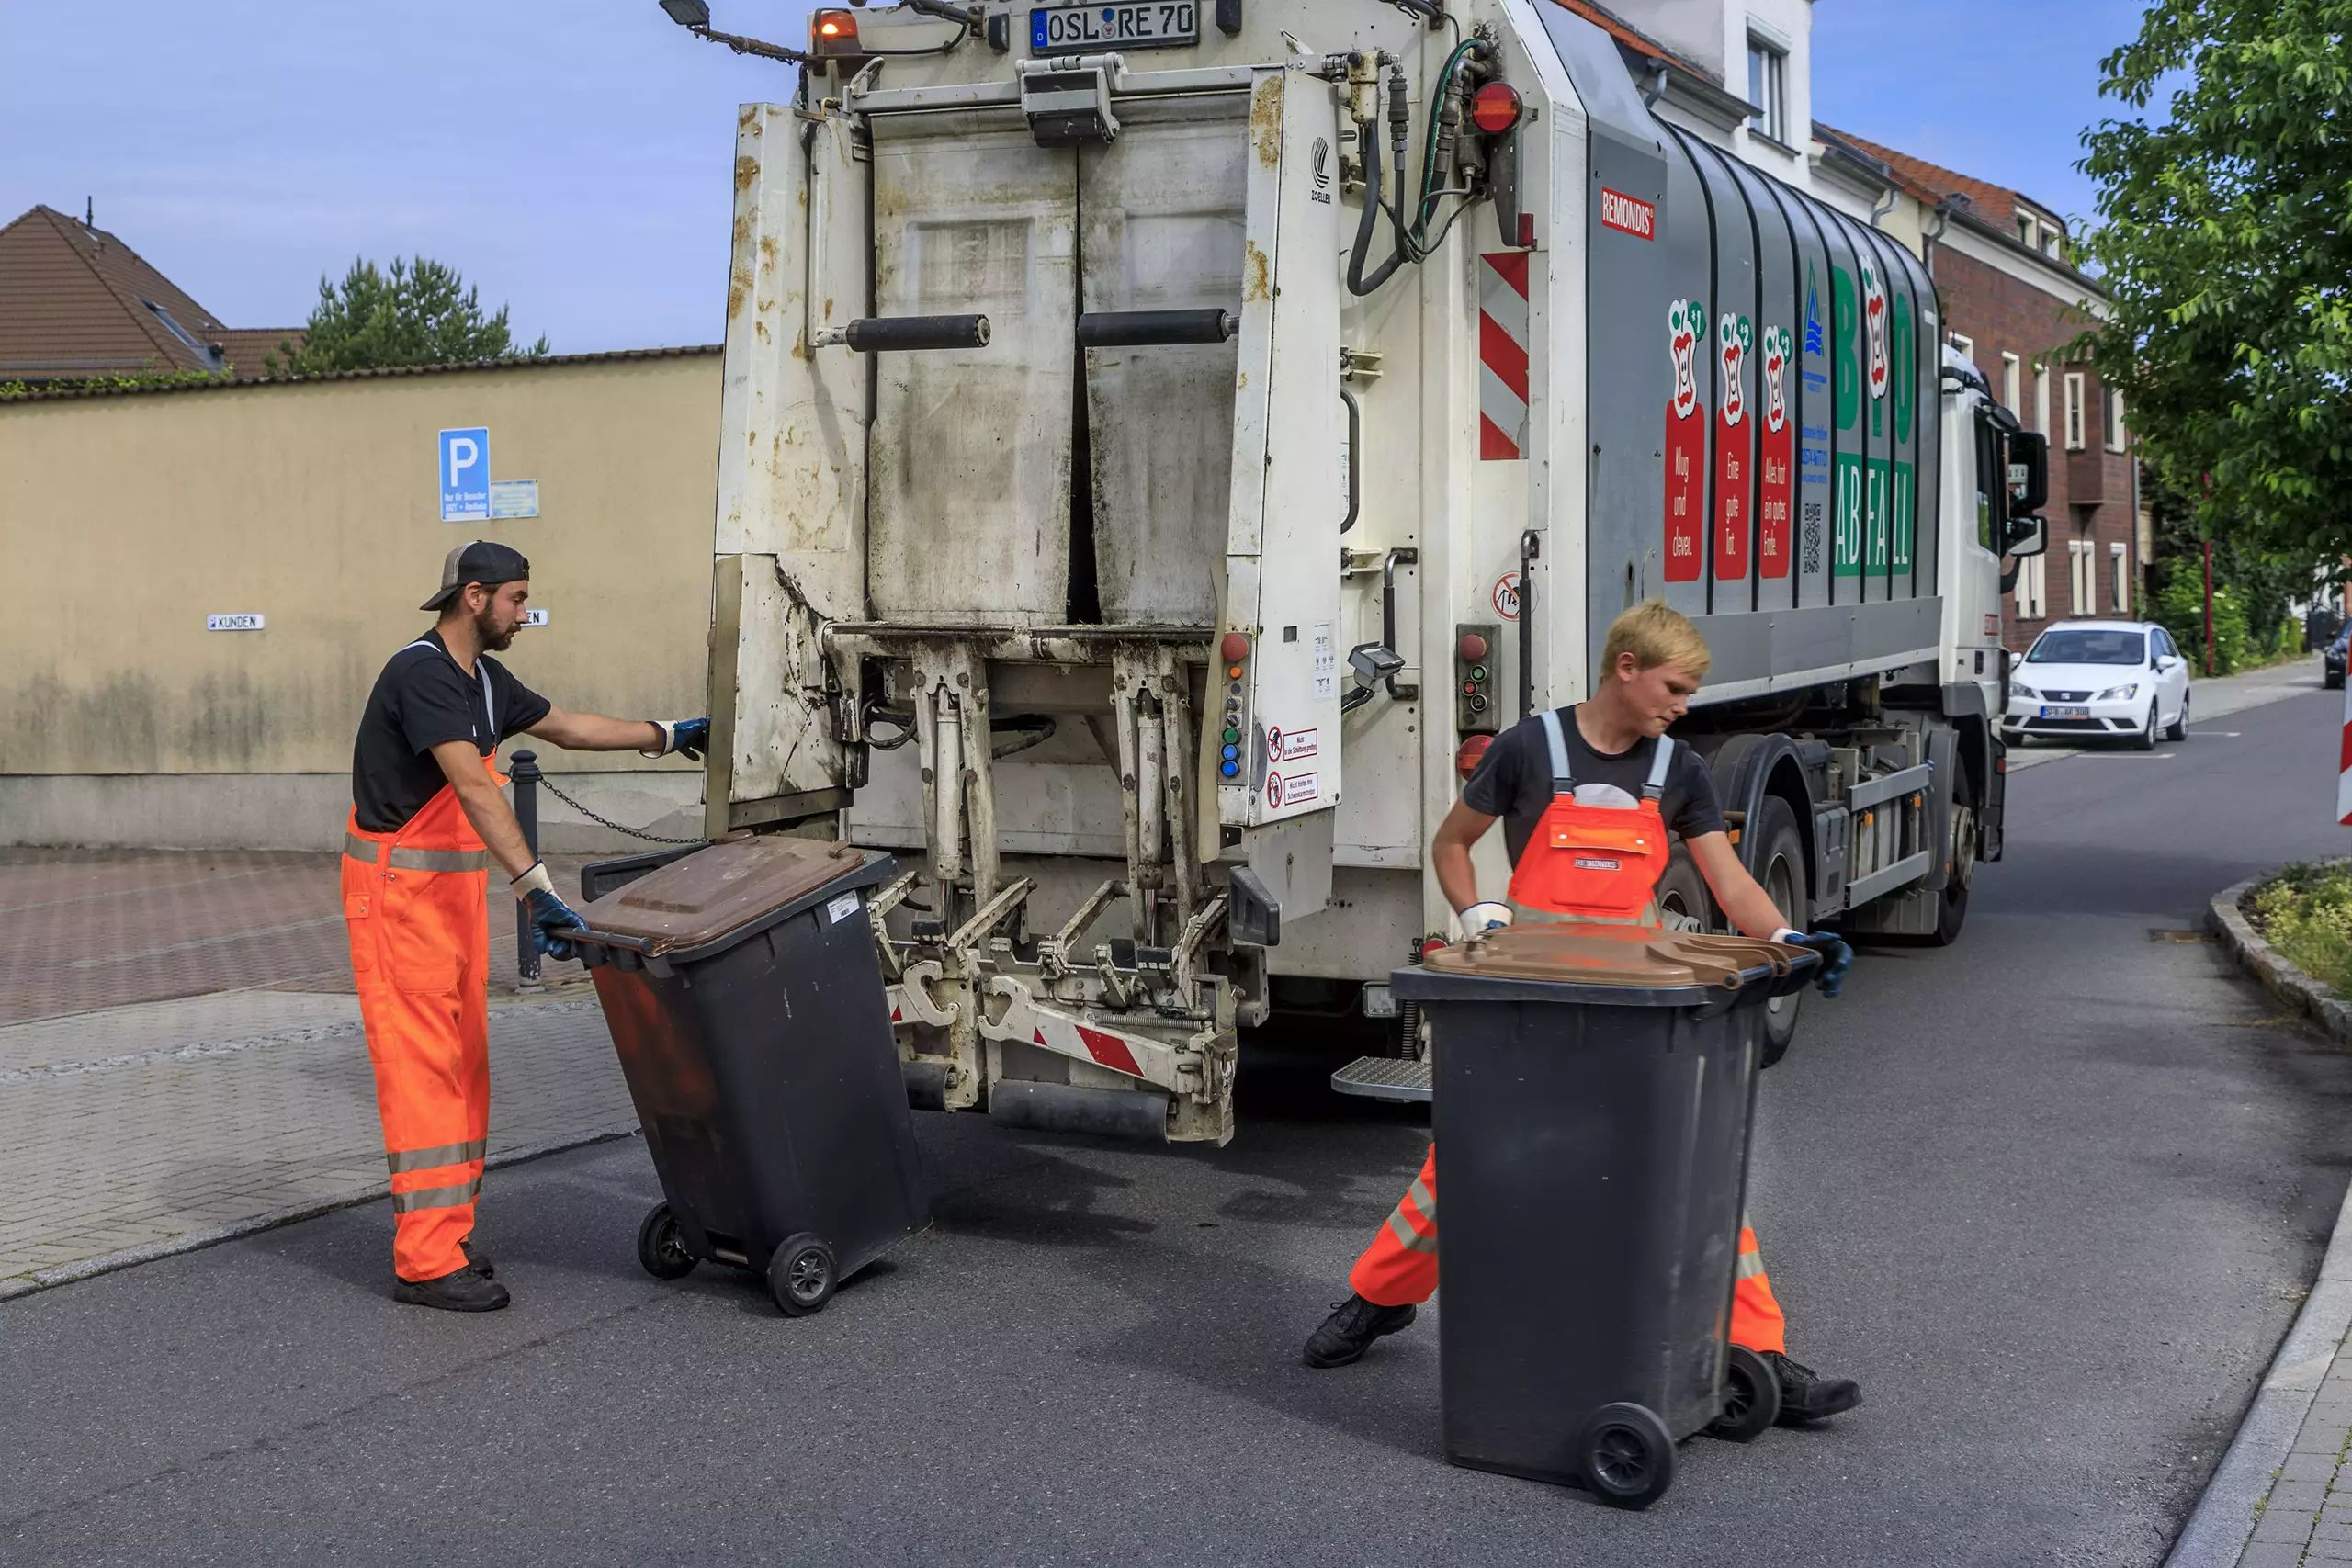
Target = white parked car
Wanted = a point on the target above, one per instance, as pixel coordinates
(2084, 679)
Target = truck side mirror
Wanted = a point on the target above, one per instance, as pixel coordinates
(2026, 536)
(2028, 475)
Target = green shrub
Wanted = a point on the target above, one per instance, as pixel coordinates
(2180, 610)
(2306, 911)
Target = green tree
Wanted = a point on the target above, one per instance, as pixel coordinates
(2226, 259)
(414, 312)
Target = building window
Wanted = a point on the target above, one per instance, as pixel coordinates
(2082, 577)
(2074, 411)
(1965, 345)
(2114, 419)
(2009, 369)
(2051, 240)
(2042, 400)
(2025, 230)
(1767, 89)
(2033, 587)
(2122, 577)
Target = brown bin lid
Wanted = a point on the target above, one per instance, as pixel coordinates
(1590, 954)
(701, 897)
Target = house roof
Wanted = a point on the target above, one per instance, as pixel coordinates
(543, 362)
(1630, 37)
(76, 300)
(1934, 184)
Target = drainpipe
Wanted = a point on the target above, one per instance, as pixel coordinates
(1883, 208)
(1656, 90)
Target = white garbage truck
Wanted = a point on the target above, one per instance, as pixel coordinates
(1164, 441)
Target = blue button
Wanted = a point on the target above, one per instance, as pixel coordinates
(1231, 752)
(1229, 769)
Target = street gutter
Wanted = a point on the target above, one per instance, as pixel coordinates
(2225, 1517)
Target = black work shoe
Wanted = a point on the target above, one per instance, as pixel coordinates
(1806, 1396)
(477, 1260)
(1349, 1332)
(461, 1290)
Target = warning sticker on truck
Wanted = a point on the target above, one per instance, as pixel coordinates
(1292, 789)
(1290, 745)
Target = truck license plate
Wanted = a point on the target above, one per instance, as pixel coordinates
(1158, 24)
(2066, 713)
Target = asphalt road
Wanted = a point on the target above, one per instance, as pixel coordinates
(2051, 1194)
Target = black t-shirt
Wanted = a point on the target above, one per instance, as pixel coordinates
(422, 699)
(1514, 780)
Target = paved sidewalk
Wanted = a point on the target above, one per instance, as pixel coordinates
(181, 1056)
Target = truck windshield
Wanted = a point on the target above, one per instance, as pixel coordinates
(2085, 647)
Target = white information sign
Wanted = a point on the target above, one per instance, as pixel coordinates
(514, 498)
(534, 617)
(241, 622)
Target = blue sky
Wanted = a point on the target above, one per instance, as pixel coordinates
(573, 160)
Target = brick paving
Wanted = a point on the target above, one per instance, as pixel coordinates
(180, 1052)
(2306, 1516)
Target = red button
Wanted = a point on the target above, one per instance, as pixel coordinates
(1472, 647)
(1236, 648)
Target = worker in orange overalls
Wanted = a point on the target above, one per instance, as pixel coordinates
(426, 821)
(1588, 793)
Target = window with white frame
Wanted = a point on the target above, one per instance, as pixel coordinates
(2025, 229)
(2123, 559)
(2074, 411)
(1965, 343)
(1768, 88)
(2010, 366)
(2033, 587)
(2114, 419)
(2042, 400)
(2082, 577)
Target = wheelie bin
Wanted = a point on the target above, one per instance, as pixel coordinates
(745, 998)
(1594, 1086)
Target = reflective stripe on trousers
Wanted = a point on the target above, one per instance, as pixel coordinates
(1400, 1267)
(415, 905)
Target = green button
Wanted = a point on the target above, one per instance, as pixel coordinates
(1232, 737)
(1477, 672)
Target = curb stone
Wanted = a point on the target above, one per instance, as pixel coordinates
(2225, 1515)
(193, 1241)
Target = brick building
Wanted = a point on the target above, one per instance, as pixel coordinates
(2012, 301)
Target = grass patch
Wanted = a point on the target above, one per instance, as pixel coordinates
(2306, 913)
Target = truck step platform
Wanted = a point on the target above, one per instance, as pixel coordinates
(1385, 1078)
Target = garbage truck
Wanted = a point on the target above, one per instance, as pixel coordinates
(1163, 444)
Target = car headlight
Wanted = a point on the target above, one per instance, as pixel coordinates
(2119, 693)
(2023, 693)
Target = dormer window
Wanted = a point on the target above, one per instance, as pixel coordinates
(211, 353)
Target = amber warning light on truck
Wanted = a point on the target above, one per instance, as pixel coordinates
(1628, 214)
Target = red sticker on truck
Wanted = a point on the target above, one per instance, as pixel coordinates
(1777, 490)
(1734, 338)
(1628, 214)
(1686, 446)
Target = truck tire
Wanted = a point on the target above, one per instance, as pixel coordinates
(1951, 910)
(1778, 862)
(1682, 891)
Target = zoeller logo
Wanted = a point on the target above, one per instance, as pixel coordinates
(1320, 160)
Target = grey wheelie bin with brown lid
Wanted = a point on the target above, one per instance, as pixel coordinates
(1592, 1095)
(745, 998)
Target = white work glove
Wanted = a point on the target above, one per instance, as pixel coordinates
(1788, 934)
(1480, 919)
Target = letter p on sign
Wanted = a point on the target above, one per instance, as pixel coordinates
(465, 476)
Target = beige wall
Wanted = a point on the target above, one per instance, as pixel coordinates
(124, 521)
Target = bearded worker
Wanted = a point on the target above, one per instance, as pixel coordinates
(426, 822)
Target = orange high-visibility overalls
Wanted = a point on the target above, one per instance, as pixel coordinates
(1596, 862)
(414, 900)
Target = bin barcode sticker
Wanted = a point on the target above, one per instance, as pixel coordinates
(841, 909)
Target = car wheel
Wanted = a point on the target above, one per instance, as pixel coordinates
(2178, 729)
(2146, 739)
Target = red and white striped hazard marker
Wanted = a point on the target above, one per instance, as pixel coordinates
(2344, 765)
(1502, 355)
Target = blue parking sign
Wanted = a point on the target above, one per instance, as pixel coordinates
(465, 476)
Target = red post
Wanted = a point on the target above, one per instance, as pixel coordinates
(2209, 607)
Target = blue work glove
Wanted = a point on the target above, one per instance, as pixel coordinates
(689, 738)
(551, 916)
(1835, 958)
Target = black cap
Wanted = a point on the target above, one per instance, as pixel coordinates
(481, 561)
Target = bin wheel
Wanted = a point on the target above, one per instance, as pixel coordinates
(661, 1249)
(1751, 1398)
(801, 1275)
(1625, 1456)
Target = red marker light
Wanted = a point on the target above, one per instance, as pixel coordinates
(1496, 107)
(1473, 753)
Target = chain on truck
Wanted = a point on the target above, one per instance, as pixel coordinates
(1164, 443)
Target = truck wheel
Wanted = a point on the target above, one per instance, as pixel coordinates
(1778, 865)
(1682, 891)
(1951, 910)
